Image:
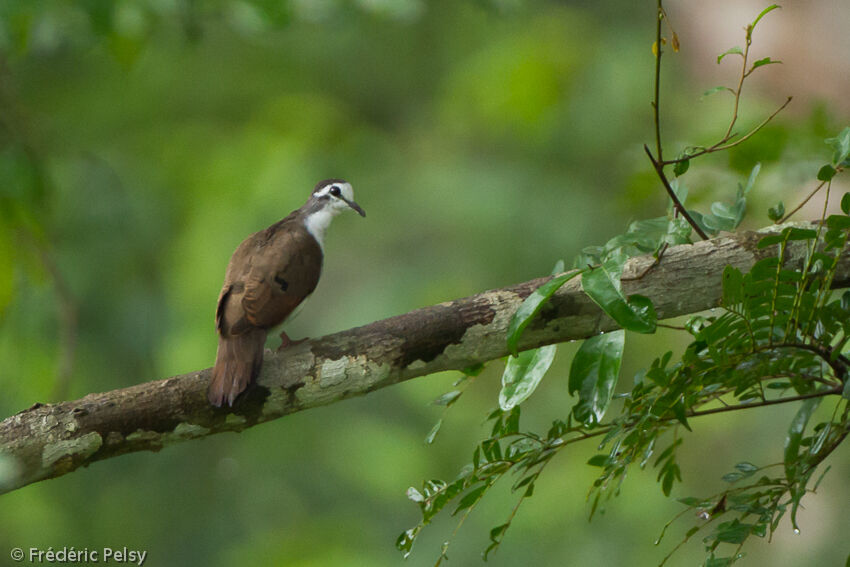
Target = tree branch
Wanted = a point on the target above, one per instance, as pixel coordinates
(47, 441)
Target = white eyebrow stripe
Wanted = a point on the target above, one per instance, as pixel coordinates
(325, 190)
(344, 189)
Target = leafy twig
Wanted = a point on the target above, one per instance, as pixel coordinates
(819, 394)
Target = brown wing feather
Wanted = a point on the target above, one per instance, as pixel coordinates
(282, 276)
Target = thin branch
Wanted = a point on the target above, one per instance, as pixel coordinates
(723, 145)
(740, 88)
(802, 204)
(836, 391)
(659, 169)
(761, 125)
(657, 100)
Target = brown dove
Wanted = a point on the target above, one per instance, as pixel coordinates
(268, 276)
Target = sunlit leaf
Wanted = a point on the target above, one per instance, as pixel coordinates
(447, 399)
(531, 306)
(414, 495)
(522, 375)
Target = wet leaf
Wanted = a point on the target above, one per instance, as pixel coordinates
(523, 374)
(593, 375)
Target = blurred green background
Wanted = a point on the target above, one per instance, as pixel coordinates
(141, 141)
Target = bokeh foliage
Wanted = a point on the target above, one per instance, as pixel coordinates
(141, 141)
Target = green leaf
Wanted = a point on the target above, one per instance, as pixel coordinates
(841, 145)
(689, 501)
(826, 173)
(415, 495)
(733, 286)
(433, 433)
(763, 62)
(404, 543)
(762, 14)
(678, 231)
(817, 445)
(726, 216)
(470, 498)
(558, 268)
(732, 51)
(593, 374)
(776, 212)
(602, 285)
(839, 222)
(733, 532)
(496, 535)
(700, 220)
(680, 167)
(795, 233)
(598, 460)
(531, 306)
(751, 180)
(447, 399)
(732, 477)
(680, 190)
(795, 436)
(747, 468)
(680, 412)
(474, 370)
(845, 204)
(790, 233)
(511, 424)
(671, 473)
(714, 90)
(523, 374)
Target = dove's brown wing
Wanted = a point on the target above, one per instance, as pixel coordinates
(269, 275)
(281, 277)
